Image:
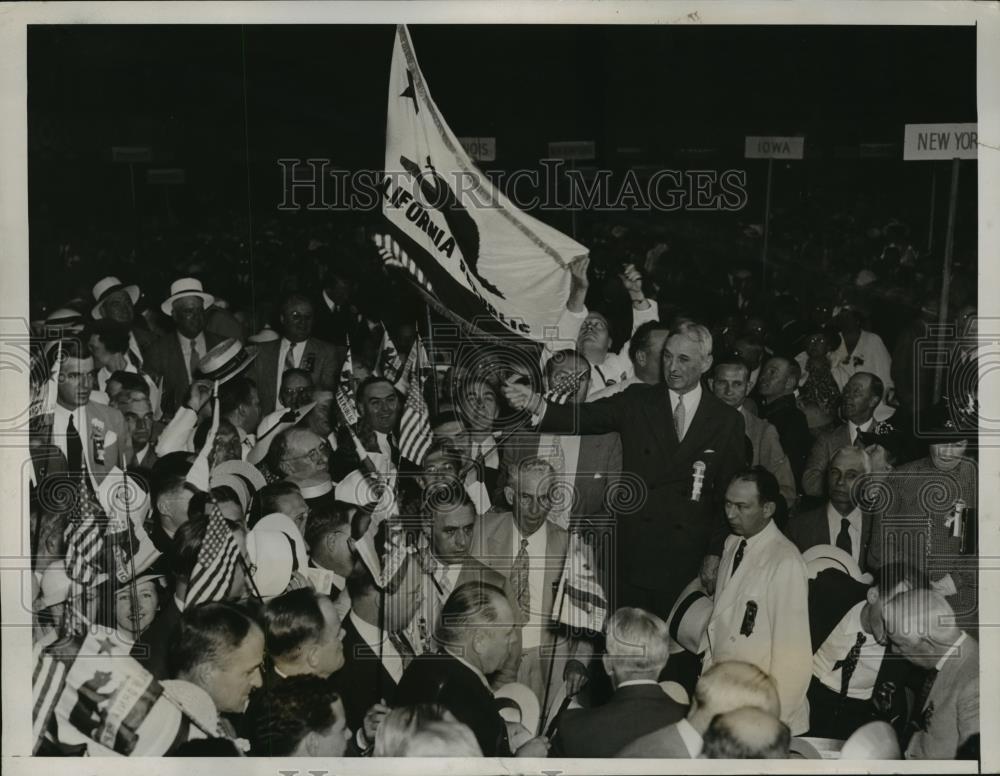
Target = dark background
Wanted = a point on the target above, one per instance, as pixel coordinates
(208, 98)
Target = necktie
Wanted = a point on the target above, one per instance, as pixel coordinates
(195, 358)
(403, 647)
(135, 358)
(859, 439)
(74, 448)
(519, 579)
(844, 537)
(849, 663)
(739, 556)
(290, 357)
(679, 417)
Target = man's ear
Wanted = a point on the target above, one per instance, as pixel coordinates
(640, 358)
(872, 595)
(312, 655)
(706, 364)
(606, 662)
(508, 492)
(769, 509)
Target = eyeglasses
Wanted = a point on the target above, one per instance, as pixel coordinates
(527, 499)
(322, 450)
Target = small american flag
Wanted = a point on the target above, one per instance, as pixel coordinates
(215, 568)
(565, 387)
(346, 406)
(346, 378)
(415, 421)
(388, 363)
(84, 539)
(582, 602)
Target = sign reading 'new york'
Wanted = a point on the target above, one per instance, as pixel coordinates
(940, 141)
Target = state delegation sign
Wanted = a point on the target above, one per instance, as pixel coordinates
(940, 141)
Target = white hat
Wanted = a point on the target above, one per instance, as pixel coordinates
(247, 471)
(519, 703)
(689, 618)
(65, 320)
(278, 521)
(238, 485)
(55, 584)
(874, 741)
(182, 288)
(105, 287)
(225, 361)
(273, 555)
(826, 556)
(271, 426)
(267, 334)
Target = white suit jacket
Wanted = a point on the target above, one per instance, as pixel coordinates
(761, 617)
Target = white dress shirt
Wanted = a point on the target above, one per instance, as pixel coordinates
(60, 421)
(837, 645)
(691, 401)
(531, 635)
(297, 349)
(199, 342)
(391, 659)
(692, 738)
(853, 428)
(854, 529)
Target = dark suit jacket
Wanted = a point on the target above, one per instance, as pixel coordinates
(597, 469)
(820, 455)
(793, 431)
(665, 743)
(442, 679)
(49, 460)
(603, 731)
(153, 647)
(663, 535)
(166, 359)
(811, 528)
(363, 681)
(318, 357)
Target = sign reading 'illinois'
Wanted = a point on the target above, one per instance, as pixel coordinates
(774, 147)
(939, 141)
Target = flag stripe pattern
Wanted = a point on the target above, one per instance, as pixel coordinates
(394, 256)
(84, 540)
(564, 388)
(46, 687)
(582, 603)
(415, 421)
(216, 565)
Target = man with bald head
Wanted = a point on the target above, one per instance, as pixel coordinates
(724, 687)
(840, 521)
(302, 456)
(746, 734)
(296, 349)
(779, 377)
(921, 626)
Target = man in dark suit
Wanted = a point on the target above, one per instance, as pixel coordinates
(138, 412)
(78, 434)
(296, 349)
(175, 357)
(779, 377)
(840, 521)
(475, 631)
(636, 654)
(676, 527)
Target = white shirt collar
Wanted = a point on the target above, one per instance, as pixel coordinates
(329, 302)
(315, 491)
(853, 428)
(691, 398)
(476, 671)
(186, 343)
(392, 661)
(835, 517)
(632, 682)
(951, 651)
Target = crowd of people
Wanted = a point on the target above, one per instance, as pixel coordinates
(777, 509)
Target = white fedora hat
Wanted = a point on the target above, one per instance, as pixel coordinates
(267, 334)
(273, 555)
(689, 618)
(105, 287)
(182, 288)
(518, 703)
(827, 556)
(225, 361)
(278, 521)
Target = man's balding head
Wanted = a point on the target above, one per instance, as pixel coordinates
(778, 377)
(746, 733)
(921, 625)
(477, 623)
(728, 686)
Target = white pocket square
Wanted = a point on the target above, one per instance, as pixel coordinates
(110, 438)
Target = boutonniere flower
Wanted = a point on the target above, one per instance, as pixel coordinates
(882, 428)
(858, 361)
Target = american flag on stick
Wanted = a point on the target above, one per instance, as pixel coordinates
(565, 387)
(216, 565)
(415, 421)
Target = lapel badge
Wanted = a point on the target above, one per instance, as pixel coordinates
(749, 619)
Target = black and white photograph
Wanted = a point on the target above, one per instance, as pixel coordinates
(553, 388)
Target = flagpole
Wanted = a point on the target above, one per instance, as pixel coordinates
(552, 653)
(430, 353)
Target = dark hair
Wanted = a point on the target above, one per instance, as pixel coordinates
(446, 447)
(767, 485)
(292, 619)
(205, 633)
(445, 416)
(271, 493)
(293, 297)
(730, 359)
(642, 336)
(290, 710)
(71, 347)
(235, 393)
(113, 335)
(367, 383)
(296, 372)
(323, 520)
(445, 497)
(129, 381)
(471, 604)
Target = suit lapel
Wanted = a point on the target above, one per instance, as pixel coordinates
(660, 419)
(699, 428)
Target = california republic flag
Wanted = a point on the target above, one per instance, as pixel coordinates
(481, 254)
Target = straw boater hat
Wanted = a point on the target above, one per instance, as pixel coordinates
(689, 618)
(267, 334)
(278, 521)
(105, 287)
(273, 555)
(64, 321)
(183, 288)
(225, 361)
(242, 469)
(825, 556)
